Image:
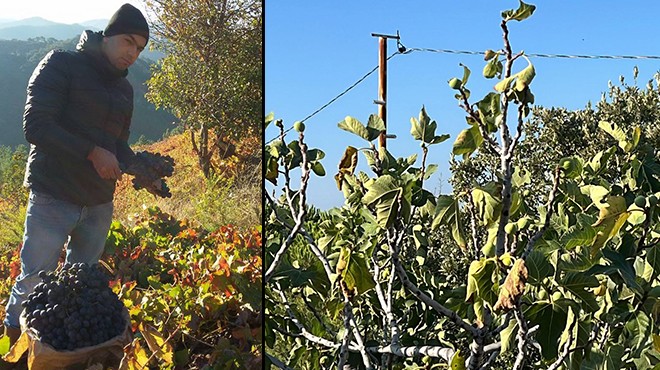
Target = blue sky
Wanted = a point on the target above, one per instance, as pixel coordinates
(316, 49)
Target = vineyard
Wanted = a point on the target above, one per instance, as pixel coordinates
(192, 290)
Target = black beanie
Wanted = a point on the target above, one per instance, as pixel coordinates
(128, 19)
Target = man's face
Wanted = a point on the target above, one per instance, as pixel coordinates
(123, 50)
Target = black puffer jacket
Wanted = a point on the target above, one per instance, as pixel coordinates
(76, 100)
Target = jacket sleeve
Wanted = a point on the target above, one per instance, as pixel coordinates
(47, 94)
(125, 154)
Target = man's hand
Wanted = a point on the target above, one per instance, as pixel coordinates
(105, 163)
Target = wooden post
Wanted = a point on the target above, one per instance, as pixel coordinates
(382, 84)
(382, 88)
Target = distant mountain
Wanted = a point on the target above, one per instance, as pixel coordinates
(34, 22)
(18, 59)
(39, 27)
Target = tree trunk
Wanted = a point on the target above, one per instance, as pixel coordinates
(202, 150)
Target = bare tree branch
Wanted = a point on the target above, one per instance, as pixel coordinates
(521, 336)
(437, 352)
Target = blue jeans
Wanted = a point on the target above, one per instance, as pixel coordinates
(50, 224)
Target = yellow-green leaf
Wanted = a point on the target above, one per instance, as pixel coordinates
(157, 344)
(612, 216)
(467, 142)
(505, 84)
(354, 126)
(457, 361)
(525, 77)
(523, 12)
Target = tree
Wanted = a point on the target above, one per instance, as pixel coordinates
(565, 276)
(211, 78)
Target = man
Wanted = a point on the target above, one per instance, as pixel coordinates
(77, 119)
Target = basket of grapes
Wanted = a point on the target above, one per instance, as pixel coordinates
(72, 319)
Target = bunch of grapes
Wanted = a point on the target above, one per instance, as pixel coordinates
(74, 308)
(148, 170)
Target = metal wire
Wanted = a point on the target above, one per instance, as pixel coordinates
(404, 50)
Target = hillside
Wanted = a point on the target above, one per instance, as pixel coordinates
(232, 197)
(18, 59)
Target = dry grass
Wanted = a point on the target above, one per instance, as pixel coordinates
(232, 196)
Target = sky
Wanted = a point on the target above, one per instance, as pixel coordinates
(314, 50)
(63, 11)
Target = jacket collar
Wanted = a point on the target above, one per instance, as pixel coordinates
(90, 45)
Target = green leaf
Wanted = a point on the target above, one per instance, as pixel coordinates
(577, 261)
(617, 264)
(639, 331)
(578, 235)
(486, 200)
(466, 74)
(577, 283)
(648, 174)
(483, 281)
(296, 276)
(523, 12)
(383, 193)
(423, 129)
(505, 84)
(375, 126)
(420, 126)
(277, 149)
(614, 357)
(653, 259)
(599, 162)
(551, 320)
(270, 117)
(379, 188)
(508, 336)
(354, 126)
(447, 213)
(318, 169)
(314, 155)
(467, 142)
(293, 155)
(538, 266)
(521, 177)
(617, 133)
(493, 67)
(490, 111)
(272, 170)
